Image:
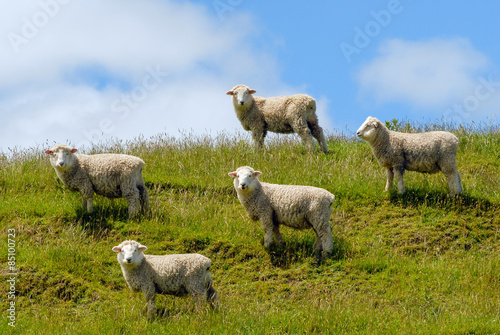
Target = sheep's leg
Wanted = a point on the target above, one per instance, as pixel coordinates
(398, 173)
(212, 297)
(277, 235)
(150, 296)
(267, 224)
(131, 194)
(326, 240)
(87, 201)
(390, 178)
(317, 244)
(144, 197)
(258, 136)
(305, 135)
(454, 182)
(317, 133)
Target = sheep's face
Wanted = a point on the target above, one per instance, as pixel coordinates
(242, 95)
(130, 253)
(61, 156)
(368, 129)
(245, 179)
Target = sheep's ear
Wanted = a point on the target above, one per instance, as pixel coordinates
(233, 174)
(257, 173)
(73, 150)
(49, 152)
(230, 93)
(117, 249)
(375, 124)
(142, 248)
(252, 91)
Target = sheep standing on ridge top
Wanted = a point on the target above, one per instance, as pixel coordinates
(284, 114)
(428, 152)
(299, 207)
(177, 275)
(109, 175)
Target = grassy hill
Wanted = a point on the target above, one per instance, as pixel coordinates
(420, 263)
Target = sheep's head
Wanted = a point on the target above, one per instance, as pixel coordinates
(130, 253)
(245, 178)
(242, 95)
(61, 156)
(368, 129)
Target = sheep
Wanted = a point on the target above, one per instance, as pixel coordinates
(176, 275)
(283, 114)
(109, 175)
(299, 207)
(428, 152)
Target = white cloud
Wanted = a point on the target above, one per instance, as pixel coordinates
(428, 74)
(44, 96)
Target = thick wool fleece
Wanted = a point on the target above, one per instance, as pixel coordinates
(299, 207)
(109, 175)
(428, 152)
(283, 114)
(178, 275)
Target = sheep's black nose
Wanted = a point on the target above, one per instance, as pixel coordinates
(358, 133)
(129, 260)
(242, 103)
(61, 163)
(243, 186)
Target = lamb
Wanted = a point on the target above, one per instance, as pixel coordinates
(283, 114)
(109, 175)
(428, 152)
(176, 275)
(299, 207)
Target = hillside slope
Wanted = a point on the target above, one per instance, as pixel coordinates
(419, 263)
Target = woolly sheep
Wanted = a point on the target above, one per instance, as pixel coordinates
(283, 114)
(109, 175)
(428, 152)
(176, 275)
(299, 207)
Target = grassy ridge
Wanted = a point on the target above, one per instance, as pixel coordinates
(418, 263)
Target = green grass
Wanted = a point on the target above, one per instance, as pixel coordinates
(418, 263)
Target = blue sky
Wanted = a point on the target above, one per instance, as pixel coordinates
(86, 71)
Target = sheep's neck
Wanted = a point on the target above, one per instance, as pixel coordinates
(381, 139)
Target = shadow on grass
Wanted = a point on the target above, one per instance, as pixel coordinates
(294, 251)
(438, 199)
(100, 221)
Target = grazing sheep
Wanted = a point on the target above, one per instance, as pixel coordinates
(176, 275)
(299, 207)
(284, 114)
(109, 175)
(428, 152)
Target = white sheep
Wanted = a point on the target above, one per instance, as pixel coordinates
(109, 175)
(283, 114)
(176, 275)
(428, 152)
(299, 207)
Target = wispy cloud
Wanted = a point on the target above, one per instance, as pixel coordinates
(65, 82)
(428, 74)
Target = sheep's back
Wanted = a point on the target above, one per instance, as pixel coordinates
(281, 112)
(108, 171)
(177, 267)
(293, 204)
(424, 152)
